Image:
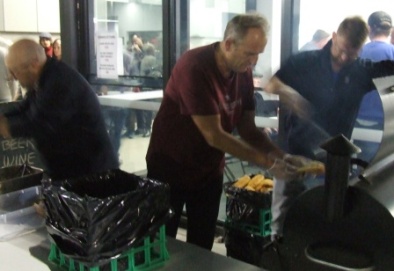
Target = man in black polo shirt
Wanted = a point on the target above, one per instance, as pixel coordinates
(330, 83)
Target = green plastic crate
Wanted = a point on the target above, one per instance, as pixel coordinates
(263, 228)
(154, 253)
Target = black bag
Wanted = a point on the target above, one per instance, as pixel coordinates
(95, 218)
(244, 246)
(243, 205)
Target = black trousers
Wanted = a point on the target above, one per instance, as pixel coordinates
(202, 205)
(202, 209)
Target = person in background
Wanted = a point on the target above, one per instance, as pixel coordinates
(9, 87)
(210, 94)
(45, 40)
(330, 84)
(57, 49)
(134, 51)
(114, 117)
(60, 112)
(392, 36)
(139, 53)
(319, 39)
(370, 114)
(5, 78)
(149, 68)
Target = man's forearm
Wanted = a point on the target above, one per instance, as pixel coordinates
(4, 128)
(262, 154)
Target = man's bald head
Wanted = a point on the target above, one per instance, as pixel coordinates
(25, 60)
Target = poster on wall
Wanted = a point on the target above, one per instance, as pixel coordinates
(107, 59)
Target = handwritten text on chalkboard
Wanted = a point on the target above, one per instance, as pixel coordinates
(17, 151)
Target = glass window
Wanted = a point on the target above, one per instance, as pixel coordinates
(127, 73)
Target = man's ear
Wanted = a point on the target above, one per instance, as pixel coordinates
(35, 66)
(334, 36)
(228, 43)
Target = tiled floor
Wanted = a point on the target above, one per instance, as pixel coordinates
(132, 153)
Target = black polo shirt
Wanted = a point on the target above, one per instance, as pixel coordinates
(335, 97)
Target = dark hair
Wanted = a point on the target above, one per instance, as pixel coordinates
(380, 23)
(238, 26)
(355, 30)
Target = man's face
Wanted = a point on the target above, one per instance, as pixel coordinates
(244, 55)
(392, 36)
(57, 49)
(46, 43)
(341, 51)
(22, 73)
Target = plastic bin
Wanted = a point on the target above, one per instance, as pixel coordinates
(17, 214)
(150, 255)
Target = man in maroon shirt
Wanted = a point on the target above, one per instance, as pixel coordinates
(209, 94)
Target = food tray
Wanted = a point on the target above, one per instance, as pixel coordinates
(15, 178)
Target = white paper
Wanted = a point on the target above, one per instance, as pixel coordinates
(107, 56)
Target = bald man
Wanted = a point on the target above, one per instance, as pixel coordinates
(60, 112)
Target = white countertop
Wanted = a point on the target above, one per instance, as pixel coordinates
(136, 100)
(18, 253)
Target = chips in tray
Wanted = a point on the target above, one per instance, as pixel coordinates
(256, 183)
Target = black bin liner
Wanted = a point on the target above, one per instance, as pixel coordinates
(96, 218)
(243, 208)
(243, 205)
(245, 246)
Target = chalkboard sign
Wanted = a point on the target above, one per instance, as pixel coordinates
(17, 151)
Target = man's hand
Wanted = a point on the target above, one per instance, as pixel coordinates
(40, 208)
(4, 128)
(287, 168)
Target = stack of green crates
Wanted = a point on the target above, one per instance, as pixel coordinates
(263, 228)
(154, 253)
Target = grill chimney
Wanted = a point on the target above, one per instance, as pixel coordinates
(339, 151)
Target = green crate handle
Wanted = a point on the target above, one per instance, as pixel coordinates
(262, 229)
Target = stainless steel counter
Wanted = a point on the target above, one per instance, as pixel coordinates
(30, 252)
